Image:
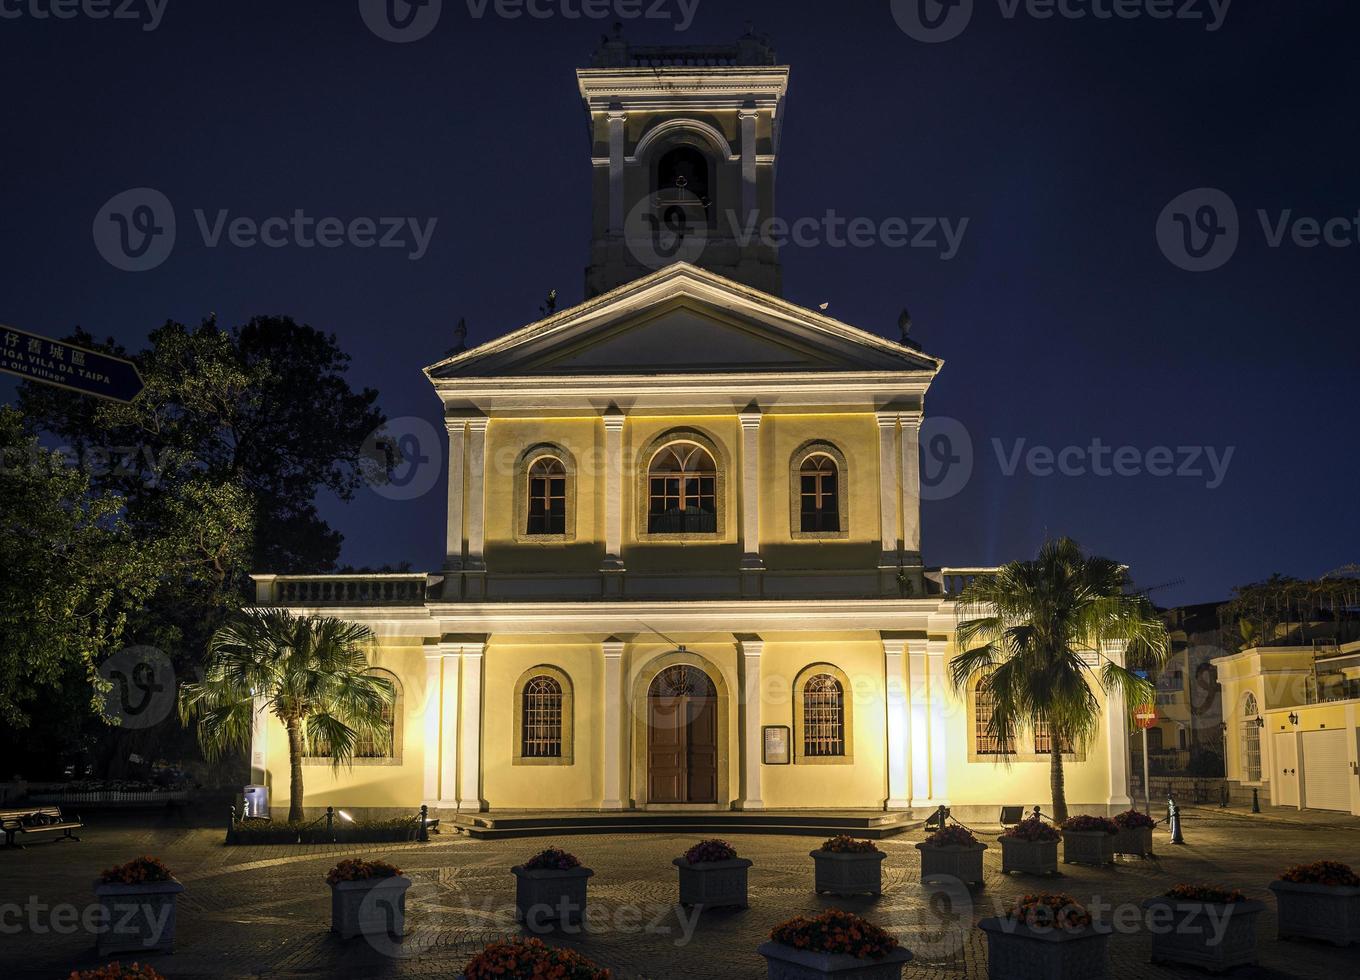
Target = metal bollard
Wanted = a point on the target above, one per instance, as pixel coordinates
(1173, 814)
(1255, 800)
(423, 834)
(330, 823)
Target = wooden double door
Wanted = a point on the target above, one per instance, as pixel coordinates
(682, 737)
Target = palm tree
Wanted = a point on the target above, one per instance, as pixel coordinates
(311, 672)
(1038, 622)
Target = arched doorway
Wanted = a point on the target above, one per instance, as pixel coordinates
(682, 737)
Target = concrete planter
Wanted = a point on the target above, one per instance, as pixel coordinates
(962, 862)
(1028, 857)
(1326, 912)
(848, 874)
(1017, 952)
(713, 883)
(544, 895)
(136, 918)
(787, 963)
(1088, 847)
(1215, 936)
(369, 907)
(1134, 840)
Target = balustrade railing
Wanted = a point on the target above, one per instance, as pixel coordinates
(399, 589)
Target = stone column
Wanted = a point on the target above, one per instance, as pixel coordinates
(751, 649)
(919, 690)
(911, 489)
(613, 493)
(448, 724)
(453, 539)
(941, 706)
(617, 119)
(894, 679)
(750, 497)
(476, 509)
(749, 203)
(888, 463)
(433, 710)
(470, 775)
(259, 742)
(1117, 737)
(613, 725)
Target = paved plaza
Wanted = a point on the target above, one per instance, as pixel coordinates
(264, 911)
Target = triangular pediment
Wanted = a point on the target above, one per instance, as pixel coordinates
(683, 321)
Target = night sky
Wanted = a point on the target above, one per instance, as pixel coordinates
(1060, 318)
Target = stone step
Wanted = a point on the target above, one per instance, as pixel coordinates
(871, 826)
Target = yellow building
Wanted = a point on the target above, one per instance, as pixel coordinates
(683, 540)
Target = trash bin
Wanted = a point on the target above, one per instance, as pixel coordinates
(257, 801)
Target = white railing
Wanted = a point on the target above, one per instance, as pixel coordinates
(379, 589)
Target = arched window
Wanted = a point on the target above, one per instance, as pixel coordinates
(823, 717)
(1251, 739)
(542, 734)
(682, 187)
(547, 497)
(371, 749)
(819, 492)
(682, 491)
(984, 706)
(543, 713)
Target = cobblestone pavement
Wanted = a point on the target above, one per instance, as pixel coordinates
(264, 911)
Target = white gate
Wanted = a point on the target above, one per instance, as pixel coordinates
(1326, 771)
(1284, 774)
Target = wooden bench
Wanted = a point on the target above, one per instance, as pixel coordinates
(37, 820)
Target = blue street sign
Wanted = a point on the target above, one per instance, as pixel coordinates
(55, 362)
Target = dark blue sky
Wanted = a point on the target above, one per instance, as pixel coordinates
(1061, 141)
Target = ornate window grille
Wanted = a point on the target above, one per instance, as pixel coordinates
(683, 491)
(682, 680)
(542, 719)
(984, 706)
(547, 497)
(1043, 741)
(818, 490)
(366, 746)
(1251, 740)
(823, 716)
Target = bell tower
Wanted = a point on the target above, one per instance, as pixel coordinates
(683, 145)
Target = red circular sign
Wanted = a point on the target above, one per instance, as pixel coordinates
(1146, 716)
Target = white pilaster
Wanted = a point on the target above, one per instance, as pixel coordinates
(613, 491)
(433, 710)
(259, 742)
(748, 115)
(919, 689)
(453, 540)
(1117, 737)
(613, 725)
(448, 724)
(911, 489)
(470, 773)
(888, 462)
(899, 788)
(750, 489)
(617, 119)
(941, 705)
(476, 507)
(751, 650)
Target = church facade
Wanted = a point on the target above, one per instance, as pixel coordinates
(683, 555)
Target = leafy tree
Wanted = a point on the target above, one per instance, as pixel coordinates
(1036, 622)
(312, 674)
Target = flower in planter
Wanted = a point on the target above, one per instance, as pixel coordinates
(117, 971)
(844, 844)
(952, 836)
(1086, 822)
(710, 850)
(837, 933)
(552, 859)
(531, 959)
(137, 872)
(1333, 874)
(1133, 820)
(356, 869)
(1034, 830)
(1206, 893)
(1050, 910)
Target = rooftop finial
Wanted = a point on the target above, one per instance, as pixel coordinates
(460, 337)
(904, 324)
